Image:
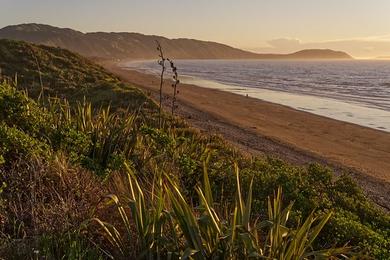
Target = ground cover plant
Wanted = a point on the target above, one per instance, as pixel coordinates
(63, 155)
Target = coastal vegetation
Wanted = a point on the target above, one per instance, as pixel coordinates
(91, 169)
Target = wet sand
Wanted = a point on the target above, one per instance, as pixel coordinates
(265, 128)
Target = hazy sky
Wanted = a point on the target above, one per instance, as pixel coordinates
(360, 27)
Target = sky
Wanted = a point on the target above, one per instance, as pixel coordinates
(359, 27)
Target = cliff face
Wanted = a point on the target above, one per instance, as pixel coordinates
(139, 46)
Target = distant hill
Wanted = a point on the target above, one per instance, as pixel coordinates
(138, 46)
(384, 57)
(313, 54)
(318, 54)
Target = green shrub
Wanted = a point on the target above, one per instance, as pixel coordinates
(17, 109)
(72, 141)
(17, 144)
(345, 228)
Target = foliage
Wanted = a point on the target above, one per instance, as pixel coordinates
(168, 226)
(70, 246)
(64, 74)
(52, 149)
(17, 109)
(103, 139)
(16, 144)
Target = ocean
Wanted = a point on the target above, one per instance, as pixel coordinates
(356, 91)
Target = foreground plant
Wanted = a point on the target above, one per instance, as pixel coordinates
(166, 225)
(99, 138)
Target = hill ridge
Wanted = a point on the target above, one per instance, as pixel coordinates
(134, 45)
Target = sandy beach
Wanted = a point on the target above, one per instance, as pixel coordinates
(261, 127)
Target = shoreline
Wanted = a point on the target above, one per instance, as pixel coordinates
(360, 110)
(263, 128)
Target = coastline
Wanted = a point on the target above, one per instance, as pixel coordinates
(332, 94)
(260, 127)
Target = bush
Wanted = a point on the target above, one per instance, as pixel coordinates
(16, 109)
(17, 144)
(346, 228)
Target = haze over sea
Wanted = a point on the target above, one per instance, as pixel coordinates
(355, 91)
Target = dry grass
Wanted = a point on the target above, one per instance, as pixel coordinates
(47, 197)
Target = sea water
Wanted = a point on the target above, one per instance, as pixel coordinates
(356, 91)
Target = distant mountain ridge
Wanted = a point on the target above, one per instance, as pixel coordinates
(126, 45)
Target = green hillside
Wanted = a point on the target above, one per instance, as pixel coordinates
(81, 180)
(62, 73)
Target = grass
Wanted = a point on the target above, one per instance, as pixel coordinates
(62, 73)
(174, 191)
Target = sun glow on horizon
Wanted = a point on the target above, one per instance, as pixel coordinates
(360, 28)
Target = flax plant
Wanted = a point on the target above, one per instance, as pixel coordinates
(110, 133)
(167, 226)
